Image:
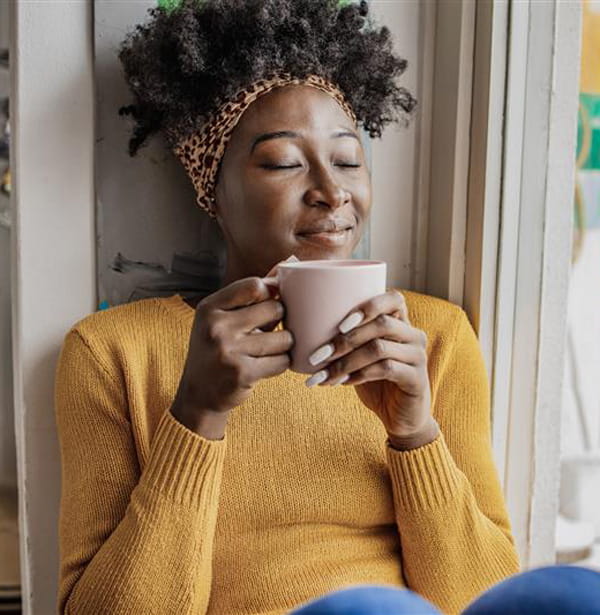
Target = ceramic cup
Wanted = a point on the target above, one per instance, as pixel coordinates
(318, 295)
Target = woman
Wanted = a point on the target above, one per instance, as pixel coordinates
(200, 475)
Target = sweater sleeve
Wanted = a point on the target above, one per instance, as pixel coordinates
(130, 541)
(454, 528)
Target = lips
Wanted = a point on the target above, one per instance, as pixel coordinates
(327, 239)
(329, 225)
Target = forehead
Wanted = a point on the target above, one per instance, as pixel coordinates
(296, 107)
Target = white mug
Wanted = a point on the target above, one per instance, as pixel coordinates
(318, 295)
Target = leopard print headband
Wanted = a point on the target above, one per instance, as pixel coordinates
(201, 152)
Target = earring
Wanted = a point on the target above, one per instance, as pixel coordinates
(212, 212)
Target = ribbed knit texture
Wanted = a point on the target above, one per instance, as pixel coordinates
(301, 497)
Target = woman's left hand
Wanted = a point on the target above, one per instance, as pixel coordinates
(385, 358)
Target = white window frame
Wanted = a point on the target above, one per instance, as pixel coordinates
(534, 263)
(52, 253)
(505, 95)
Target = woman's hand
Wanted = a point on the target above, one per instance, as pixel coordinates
(384, 357)
(229, 353)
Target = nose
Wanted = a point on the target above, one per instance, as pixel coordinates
(325, 190)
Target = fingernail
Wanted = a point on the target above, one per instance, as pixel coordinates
(317, 378)
(322, 353)
(271, 280)
(351, 321)
(340, 381)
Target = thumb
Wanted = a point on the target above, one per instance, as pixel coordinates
(272, 282)
(271, 279)
(272, 273)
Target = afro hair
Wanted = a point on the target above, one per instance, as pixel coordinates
(193, 55)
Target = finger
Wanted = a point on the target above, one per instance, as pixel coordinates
(255, 316)
(272, 279)
(272, 286)
(268, 327)
(266, 367)
(272, 283)
(407, 377)
(375, 351)
(404, 314)
(384, 326)
(273, 271)
(266, 344)
(241, 293)
(392, 302)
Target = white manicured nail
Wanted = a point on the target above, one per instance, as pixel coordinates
(322, 353)
(351, 321)
(340, 381)
(317, 378)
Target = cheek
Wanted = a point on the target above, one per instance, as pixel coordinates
(271, 198)
(271, 184)
(362, 194)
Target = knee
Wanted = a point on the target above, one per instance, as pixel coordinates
(552, 590)
(368, 600)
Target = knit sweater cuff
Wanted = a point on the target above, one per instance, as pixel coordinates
(424, 478)
(183, 466)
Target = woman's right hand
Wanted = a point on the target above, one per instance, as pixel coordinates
(228, 354)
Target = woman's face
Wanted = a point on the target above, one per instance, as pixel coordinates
(294, 166)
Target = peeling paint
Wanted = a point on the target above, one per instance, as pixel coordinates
(121, 264)
(191, 275)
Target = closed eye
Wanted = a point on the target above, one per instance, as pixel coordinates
(274, 167)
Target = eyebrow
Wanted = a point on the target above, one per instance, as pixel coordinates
(290, 134)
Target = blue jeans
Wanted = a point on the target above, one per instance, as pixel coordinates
(552, 590)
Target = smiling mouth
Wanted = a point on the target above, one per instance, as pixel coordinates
(328, 238)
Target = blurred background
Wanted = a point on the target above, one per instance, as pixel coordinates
(578, 528)
(10, 590)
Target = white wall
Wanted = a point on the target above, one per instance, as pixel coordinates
(401, 158)
(147, 220)
(52, 245)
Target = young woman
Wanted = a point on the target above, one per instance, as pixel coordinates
(200, 475)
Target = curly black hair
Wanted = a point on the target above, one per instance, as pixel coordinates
(186, 61)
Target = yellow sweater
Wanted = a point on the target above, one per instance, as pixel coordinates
(303, 495)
